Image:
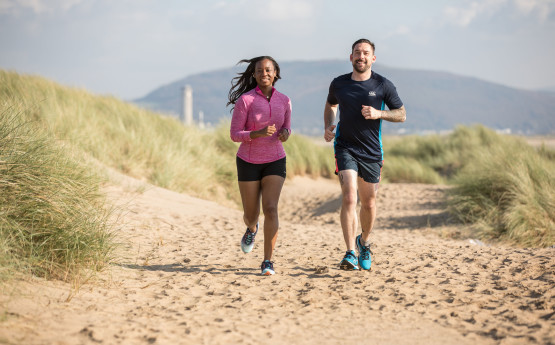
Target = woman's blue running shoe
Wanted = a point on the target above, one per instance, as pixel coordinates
(267, 268)
(247, 242)
(364, 254)
(349, 262)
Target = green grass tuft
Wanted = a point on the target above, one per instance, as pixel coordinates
(508, 192)
(305, 157)
(53, 220)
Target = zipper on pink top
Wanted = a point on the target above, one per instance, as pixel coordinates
(270, 107)
(276, 146)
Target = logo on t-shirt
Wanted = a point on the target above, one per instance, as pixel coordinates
(372, 93)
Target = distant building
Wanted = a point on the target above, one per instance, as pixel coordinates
(186, 115)
(201, 119)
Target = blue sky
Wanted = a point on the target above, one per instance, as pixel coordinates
(129, 47)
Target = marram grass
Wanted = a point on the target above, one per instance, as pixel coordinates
(53, 220)
(502, 186)
(508, 193)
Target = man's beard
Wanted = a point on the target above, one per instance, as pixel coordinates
(362, 69)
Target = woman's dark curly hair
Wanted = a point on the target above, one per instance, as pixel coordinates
(245, 81)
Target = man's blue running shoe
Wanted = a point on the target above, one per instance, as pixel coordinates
(364, 254)
(267, 268)
(247, 242)
(350, 261)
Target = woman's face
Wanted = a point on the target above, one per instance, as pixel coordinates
(264, 73)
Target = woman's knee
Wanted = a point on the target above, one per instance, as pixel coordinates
(250, 218)
(270, 210)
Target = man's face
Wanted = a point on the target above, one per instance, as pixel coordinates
(362, 57)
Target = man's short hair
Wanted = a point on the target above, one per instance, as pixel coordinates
(364, 40)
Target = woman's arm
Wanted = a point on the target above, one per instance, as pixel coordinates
(237, 130)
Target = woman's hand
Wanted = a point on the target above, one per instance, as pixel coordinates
(283, 135)
(267, 131)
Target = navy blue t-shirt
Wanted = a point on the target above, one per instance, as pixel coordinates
(360, 136)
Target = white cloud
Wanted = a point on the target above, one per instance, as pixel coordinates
(37, 6)
(5, 6)
(219, 4)
(541, 8)
(272, 10)
(463, 16)
(14, 6)
(286, 10)
(270, 18)
(400, 31)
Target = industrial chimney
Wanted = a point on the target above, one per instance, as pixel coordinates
(187, 108)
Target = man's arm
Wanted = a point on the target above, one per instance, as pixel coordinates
(394, 115)
(330, 112)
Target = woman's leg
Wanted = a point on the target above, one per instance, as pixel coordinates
(271, 189)
(250, 196)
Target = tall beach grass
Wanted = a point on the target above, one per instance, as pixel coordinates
(435, 158)
(508, 193)
(502, 187)
(304, 157)
(53, 219)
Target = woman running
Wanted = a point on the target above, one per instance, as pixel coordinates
(261, 122)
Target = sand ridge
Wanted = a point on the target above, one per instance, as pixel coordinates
(182, 279)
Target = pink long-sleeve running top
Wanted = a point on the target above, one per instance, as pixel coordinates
(253, 112)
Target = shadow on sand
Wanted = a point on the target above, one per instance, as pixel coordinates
(321, 272)
(176, 267)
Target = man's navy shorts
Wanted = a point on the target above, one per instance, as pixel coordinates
(369, 171)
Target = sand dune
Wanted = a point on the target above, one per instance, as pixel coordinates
(182, 279)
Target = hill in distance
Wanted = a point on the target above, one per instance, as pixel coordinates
(435, 101)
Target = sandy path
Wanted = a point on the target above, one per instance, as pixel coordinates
(183, 279)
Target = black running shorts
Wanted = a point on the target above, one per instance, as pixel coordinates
(255, 172)
(368, 171)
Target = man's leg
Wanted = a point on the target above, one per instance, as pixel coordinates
(368, 210)
(348, 181)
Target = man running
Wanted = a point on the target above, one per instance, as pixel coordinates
(361, 96)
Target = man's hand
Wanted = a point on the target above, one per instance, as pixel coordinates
(393, 115)
(370, 113)
(328, 134)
